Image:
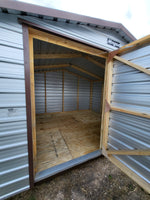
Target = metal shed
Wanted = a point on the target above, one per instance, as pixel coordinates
(72, 88)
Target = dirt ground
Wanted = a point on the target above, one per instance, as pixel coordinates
(97, 179)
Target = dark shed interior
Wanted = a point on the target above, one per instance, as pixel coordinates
(68, 99)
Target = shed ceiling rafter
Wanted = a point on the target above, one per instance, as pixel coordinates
(86, 72)
(64, 70)
(94, 61)
(57, 55)
(51, 66)
(68, 55)
(68, 65)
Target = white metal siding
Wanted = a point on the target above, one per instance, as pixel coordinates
(91, 35)
(39, 93)
(54, 91)
(13, 129)
(131, 87)
(131, 91)
(84, 94)
(96, 96)
(70, 92)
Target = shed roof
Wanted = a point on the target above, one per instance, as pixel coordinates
(53, 14)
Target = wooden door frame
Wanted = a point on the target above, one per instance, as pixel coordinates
(28, 35)
(28, 102)
(107, 108)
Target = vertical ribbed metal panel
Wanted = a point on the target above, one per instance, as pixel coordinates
(131, 91)
(13, 129)
(54, 91)
(70, 92)
(39, 93)
(96, 96)
(84, 94)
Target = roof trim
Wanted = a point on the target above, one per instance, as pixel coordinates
(26, 7)
(42, 28)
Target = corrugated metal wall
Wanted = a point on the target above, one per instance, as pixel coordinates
(13, 129)
(39, 93)
(131, 90)
(84, 94)
(54, 91)
(54, 84)
(70, 92)
(96, 96)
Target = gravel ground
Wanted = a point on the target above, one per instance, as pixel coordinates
(97, 179)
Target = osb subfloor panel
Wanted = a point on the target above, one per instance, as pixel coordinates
(64, 136)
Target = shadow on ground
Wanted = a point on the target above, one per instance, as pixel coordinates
(98, 179)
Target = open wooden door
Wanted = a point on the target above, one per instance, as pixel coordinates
(125, 131)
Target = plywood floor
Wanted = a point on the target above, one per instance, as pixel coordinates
(64, 136)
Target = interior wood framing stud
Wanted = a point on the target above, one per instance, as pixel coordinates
(142, 69)
(101, 106)
(138, 152)
(86, 72)
(106, 97)
(91, 94)
(45, 92)
(57, 55)
(51, 38)
(33, 103)
(78, 93)
(63, 91)
(94, 61)
(51, 66)
(131, 112)
(130, 173)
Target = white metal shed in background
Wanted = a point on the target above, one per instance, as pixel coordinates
(53, 66)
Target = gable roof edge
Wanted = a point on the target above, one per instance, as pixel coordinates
(40, 10)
